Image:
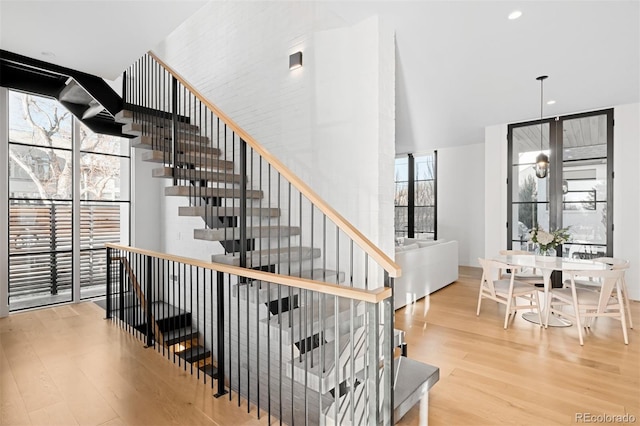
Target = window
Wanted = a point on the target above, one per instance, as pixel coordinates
(43, 145)
(104, 205)
(577, 193)
(415, 196)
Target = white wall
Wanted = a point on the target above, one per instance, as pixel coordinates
(331, 121)
(146, 212)
(626, 191)
(626, 204)
(495, 189)
(461, 200)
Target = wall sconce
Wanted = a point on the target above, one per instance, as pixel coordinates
(295, 60)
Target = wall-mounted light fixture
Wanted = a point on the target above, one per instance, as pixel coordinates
(295, 60)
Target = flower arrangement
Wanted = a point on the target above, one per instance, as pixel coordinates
(548, 241)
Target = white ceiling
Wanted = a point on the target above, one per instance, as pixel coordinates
(461, 65)
(95, 36)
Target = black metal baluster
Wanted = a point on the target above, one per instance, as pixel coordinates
(151, 291)
(211, 295)
(121, 283)
(230, 345)
(269, 298)
(183, 269)
(337, 325)
(108, 289)
(220, 330)
(174, 128)
(191, 310)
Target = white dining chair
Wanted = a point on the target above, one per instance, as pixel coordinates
(595, 285)
(505, 291)
(529, 275)
(588, 303)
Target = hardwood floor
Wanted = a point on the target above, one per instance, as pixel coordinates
(524, 375)
(67, 366)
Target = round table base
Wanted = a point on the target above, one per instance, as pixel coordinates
(554, 321)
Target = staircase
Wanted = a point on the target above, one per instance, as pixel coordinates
(304, 338)
(165, 324)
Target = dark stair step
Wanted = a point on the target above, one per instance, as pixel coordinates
(171, 337)
(167, 316)
(210, 370)
(194, 353)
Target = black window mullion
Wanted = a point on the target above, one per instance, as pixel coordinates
(411, 198)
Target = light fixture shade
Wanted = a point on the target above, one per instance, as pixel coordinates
(542, 165)
(542, 161)
(295, 60)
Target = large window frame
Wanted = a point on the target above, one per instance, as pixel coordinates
(405, 183)
(75, 247)
(557, 186)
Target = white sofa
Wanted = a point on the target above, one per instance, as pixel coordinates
(427, 266)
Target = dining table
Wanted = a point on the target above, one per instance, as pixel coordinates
(548, 264)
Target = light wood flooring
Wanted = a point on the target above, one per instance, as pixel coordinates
(524, 375)
(67, 366)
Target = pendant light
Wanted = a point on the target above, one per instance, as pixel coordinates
(542, 161)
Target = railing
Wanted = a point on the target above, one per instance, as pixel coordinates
(190, 133)
(264, 216)
(249, 347)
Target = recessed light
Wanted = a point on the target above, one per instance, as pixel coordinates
(48, 53)
(515, 15)
(551, 102)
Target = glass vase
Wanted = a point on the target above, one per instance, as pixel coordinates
(547, 255)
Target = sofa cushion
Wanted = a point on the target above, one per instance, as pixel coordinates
(407, 247)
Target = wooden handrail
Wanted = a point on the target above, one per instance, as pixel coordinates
(363, 242)
(371, 296)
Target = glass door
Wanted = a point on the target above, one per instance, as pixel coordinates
(40, 202)
(586, 171)
(528, 196)
(578, 191)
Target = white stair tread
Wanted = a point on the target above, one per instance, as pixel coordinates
(268, 292)
(217, 211)
(127, 116)
(269, 256)
(317, 367)
(202, 160)
(312, 314)
(204, 191)
(195, 174)
(412, 380)
(184, 144)
(137, 129)
(227, 234)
